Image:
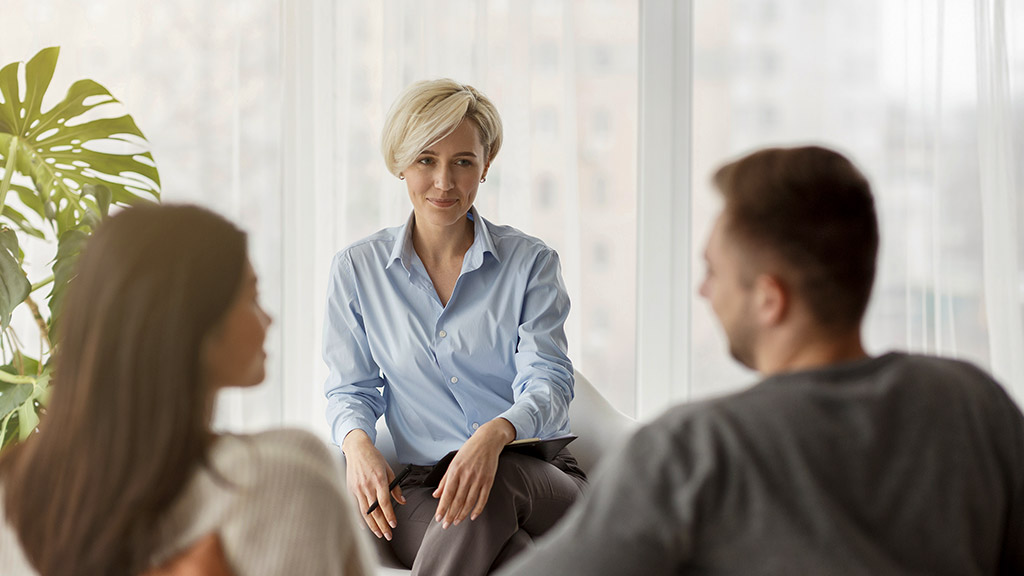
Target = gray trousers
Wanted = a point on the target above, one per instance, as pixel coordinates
(529, 495)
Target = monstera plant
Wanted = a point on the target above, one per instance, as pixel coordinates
(61, 169)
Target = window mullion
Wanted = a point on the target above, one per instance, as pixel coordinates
(664, 287)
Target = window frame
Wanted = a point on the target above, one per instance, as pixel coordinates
(664, 197)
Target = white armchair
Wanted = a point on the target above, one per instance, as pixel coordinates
(597, 423)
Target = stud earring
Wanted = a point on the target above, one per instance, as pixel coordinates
(400, 177)
(482, 180)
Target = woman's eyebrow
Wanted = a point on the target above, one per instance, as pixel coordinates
(457, 154)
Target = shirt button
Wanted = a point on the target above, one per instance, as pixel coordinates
(476, 425)
(442, 333)
(455, 379)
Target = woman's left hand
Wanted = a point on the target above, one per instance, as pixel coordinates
(466, 484)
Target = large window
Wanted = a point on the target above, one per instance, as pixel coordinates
(270, 111)
(895, 85)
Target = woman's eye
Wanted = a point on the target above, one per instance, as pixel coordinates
(426, 161)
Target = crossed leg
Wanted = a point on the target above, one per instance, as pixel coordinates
(528, 497)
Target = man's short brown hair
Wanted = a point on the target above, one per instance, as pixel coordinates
(811, 209)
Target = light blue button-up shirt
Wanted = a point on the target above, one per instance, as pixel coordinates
(497, 349)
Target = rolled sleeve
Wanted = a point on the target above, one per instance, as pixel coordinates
(353, 399)
(543, 386)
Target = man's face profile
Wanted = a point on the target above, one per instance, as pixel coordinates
(728, 288)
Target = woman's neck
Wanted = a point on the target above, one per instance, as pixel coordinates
(442, 243)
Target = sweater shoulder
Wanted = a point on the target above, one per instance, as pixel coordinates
(272, 454)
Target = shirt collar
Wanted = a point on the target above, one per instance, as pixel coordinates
(402, 250)
(483, 243)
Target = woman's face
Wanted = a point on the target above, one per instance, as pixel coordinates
(444, 178)
(233, 354)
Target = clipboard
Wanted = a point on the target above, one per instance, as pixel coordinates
(544, 449)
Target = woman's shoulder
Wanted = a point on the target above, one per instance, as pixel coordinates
(377, 245)
(275, 488)
(292, 514)
(510, 239)
(243, 468)
(274, 452)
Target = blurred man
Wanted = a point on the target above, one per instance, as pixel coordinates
(836, 462)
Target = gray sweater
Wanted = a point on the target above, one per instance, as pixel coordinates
(284, 511)
(893, 465)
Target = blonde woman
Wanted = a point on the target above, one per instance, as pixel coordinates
(460, 322)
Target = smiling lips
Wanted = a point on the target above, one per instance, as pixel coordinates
(443, 203)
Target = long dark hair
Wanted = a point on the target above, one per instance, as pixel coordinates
(129, 418)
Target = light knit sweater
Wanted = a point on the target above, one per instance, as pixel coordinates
(278, 506)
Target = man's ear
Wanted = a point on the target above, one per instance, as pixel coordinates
(771, 299)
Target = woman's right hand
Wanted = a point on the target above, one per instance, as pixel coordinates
(368, 476)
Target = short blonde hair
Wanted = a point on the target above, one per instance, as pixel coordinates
(428, 111)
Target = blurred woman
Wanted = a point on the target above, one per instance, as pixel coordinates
(461, 322)
(125, 472)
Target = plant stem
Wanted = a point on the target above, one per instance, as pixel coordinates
(13, 343)
(15, 379)
(10, 345)
(43, 331)
(41, 283)
(8, 170)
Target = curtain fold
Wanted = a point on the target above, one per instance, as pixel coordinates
(1004, 280)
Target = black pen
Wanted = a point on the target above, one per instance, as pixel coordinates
(401, 476)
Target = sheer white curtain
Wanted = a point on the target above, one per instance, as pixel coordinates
(927, 98)
(202, 80)
(1000, 142)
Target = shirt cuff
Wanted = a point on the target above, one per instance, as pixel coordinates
(521, 420)
(344, 430)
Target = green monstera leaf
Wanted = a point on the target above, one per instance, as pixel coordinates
(14, 285)
(63, 151)
(24, 390)
(68, 247)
